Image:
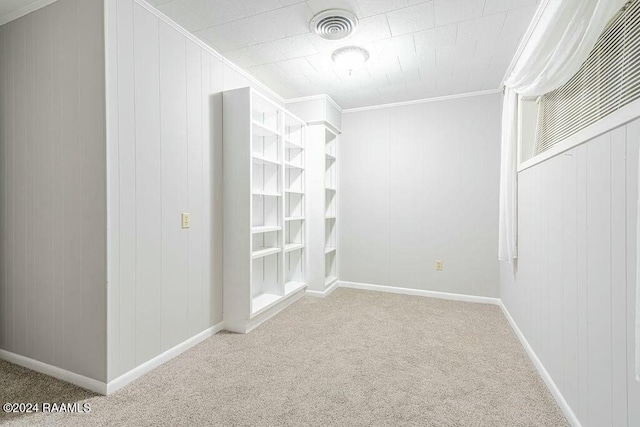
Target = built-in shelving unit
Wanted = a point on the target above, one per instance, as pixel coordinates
(331, 207)
(264, 208)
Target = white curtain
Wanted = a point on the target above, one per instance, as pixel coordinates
(508, 222)
(561, 41)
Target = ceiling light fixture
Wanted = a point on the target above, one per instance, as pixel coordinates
(350, 57)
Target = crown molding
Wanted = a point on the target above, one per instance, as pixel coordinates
(423, 101)
(323, 97)
(25, 11)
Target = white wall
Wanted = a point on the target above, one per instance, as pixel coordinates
(165, 158)
(574, 292)
(53, 187)
(420, 183)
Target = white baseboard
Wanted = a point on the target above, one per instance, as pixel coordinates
(152, 364)
(244, 326)
(420, 292)
(562, 403)
(53, 371)
(325, 293)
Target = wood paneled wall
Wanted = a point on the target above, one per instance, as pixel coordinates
(419, 183)
(53, 187)
(573, 295)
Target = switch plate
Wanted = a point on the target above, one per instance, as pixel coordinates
(438, 264)
(186, 220)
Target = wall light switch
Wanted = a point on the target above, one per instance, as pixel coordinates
(438, 264)
(186, 220)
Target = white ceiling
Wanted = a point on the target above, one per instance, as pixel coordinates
(419, 48)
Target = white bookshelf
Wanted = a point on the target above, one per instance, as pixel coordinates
(331, 207)
(264, 208)
(322, 207)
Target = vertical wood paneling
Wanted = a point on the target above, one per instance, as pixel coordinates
(42, 226)
(365, 185)
(113, 198)
(206, 291)
(173, 87)
(569, 278)
(92, 131)
(633, 386)
(4, 234)
(57, 162)
(127, 184)
(554, 283)
(9, 276)
(599, 279)
(167, 160)
(618, 278)
(194, 186)
(215, 120)
(583, 349)
(585, 253)
(71, 189)
(21, 122)
(148, 172)
(53, 199)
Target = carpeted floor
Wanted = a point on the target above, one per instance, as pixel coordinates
(354, 358)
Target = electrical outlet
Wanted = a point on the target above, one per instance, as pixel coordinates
(186, 220)
(438, 264)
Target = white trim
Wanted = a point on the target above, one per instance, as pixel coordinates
(420, 292)
(616, 119)
(323, 96)
(333, 128)
(258, 84)
(244, 326)
(525, 39)
(422, 101)
(564, 406)
(25, 11)
(323, 294)
(55, 372)
(152, 364)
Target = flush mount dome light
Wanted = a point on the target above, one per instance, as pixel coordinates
(334, 24)
(350, 57)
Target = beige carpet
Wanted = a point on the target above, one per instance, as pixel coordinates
(354, 358)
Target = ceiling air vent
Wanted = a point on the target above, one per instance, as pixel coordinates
(334, 24)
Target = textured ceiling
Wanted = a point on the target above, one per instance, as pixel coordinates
(419, 49)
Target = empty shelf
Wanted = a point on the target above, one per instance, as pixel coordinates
(294, 191)
(292, 166)
(257, 158)
(330, 189)
(329, 249)
(330, 157)
(263, 193)
(330, 217)
(294, 218)
(261, 130)
(290, 287)
(263, 252)
(265, 229)
(262, 301)
(292, 145)
(293, 246)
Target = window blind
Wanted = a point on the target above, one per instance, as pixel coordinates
(608, 80)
